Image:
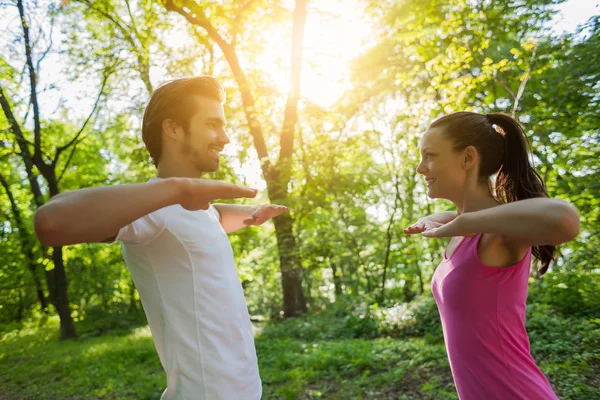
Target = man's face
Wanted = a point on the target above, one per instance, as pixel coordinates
(205, 138)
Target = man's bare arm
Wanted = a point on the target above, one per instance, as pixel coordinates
(97, 214)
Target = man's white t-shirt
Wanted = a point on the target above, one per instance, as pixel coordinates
(183, 267)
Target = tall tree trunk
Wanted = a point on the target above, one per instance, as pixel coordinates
(133, 302)
(411, 207)
(57, 282)
(277, 176)
(294, 302)
(337, 282)
(27, 244)
(67, 327)
(21, 307)
(390, 235)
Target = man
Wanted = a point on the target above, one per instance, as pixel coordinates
(175, 244)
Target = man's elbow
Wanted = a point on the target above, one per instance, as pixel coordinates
(45, 227)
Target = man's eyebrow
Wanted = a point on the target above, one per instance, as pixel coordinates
(219, 120)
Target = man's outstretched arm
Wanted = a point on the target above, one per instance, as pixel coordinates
(97, 214)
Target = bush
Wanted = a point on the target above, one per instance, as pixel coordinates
(347, 321)
(568, 292)
(98, 321)
(420, 317)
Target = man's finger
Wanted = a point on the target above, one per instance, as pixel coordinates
(280, 210)
(249, 221)
(224, 190)
(271, 211)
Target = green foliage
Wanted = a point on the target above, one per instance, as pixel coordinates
(34, 364)
(307, 358)
(567, 349)
(418, 318)
(568, 292)
(374, 330)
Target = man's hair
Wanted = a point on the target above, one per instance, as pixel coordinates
(174, 100)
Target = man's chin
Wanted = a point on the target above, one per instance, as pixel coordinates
(213, 167)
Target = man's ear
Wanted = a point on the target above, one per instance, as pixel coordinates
(170, 128)
(470, 157)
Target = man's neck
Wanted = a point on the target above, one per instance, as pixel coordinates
(170, 171)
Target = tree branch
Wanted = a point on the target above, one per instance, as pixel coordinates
(23, 146)
(238, 20)
(133, 25)
(523, 83)
(60, 149)
(32, 82)
(291, 107)
(112, 19)
(194, 14)
(130, 37)
(45, 52)
(508, 89)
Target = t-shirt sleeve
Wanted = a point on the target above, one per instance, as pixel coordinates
(143, 230)
(216, 212)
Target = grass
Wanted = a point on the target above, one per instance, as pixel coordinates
(335, 355)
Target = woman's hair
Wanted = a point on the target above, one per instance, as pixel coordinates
(504, 150)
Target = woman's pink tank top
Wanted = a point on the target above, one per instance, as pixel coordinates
(483, 317)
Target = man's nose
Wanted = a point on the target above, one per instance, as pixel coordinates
(223, 138)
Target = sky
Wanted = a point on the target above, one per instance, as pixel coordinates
(573, 13)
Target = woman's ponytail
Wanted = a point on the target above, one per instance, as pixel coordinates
(517, 179)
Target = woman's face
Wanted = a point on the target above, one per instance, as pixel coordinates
(442, 166)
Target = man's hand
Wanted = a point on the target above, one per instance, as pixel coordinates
(263, 213)
(197, 194)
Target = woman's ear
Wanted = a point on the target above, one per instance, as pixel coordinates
(470, 157)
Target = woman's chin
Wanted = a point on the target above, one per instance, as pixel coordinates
(433, 194)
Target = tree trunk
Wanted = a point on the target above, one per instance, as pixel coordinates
(409, 295)
(294, 302)
(21, 305)
(277, 176)
(411, 206)
(337, 282)
(390, 236)
(40, 292)
(133, 302)
(67, 327)
(26, 244)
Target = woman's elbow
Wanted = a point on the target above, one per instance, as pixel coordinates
(567, 220)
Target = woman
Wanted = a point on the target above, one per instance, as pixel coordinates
(480, 287)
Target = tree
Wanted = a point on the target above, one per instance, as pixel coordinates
(276, 174)
(35, 154)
